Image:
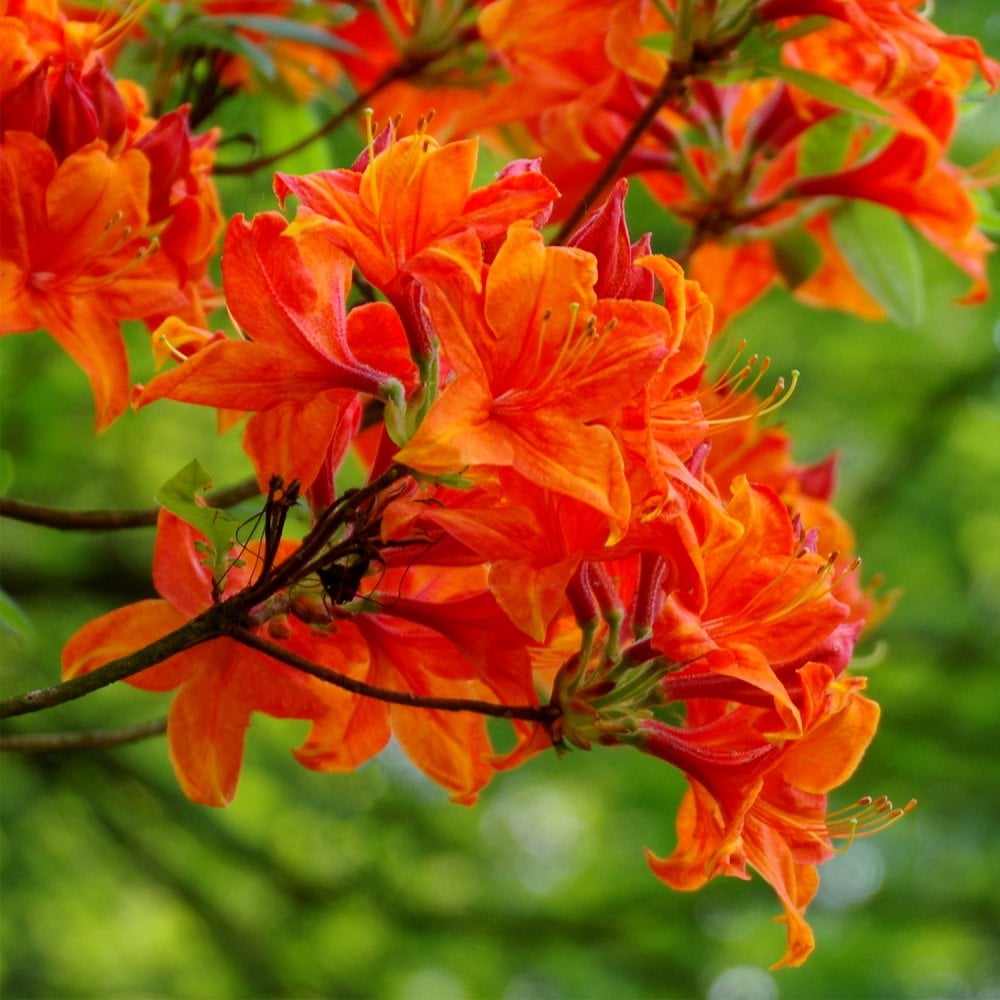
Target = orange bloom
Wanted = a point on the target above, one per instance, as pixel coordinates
(307, 357)
(753, 803)
(77, 256)
(219, 684)
(882, 43)
(432, 631)
(411, 212)
(764, 599)
(107, 215)
(538, 361)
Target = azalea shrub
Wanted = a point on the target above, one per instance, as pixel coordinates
(509, 465)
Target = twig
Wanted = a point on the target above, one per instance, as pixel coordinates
(208, 625)
(410, 66)
(542, 714)
(670, 87)
(114, 520)
(92, 739)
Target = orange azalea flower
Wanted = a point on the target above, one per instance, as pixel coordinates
(307, 357)
(538, 361)
(107, 215)
(220, 683)
(765, 600)
(531, 540)
(428, 630)
(883, 43)
(77, 257)
(753, 803)
(411, 214)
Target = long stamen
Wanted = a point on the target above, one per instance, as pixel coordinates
(865, 818)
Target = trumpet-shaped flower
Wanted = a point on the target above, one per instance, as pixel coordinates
(307, 356)
(219, 683)
(756, 804)
(107, 214)
(539, 363)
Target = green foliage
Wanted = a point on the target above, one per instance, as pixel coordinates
(372, 885)
(880, 250)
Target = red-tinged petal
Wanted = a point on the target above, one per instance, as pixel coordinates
(459, 253)
(240, 375)
(828, 755)
(124, 631)
(293, 438)
(582, 462)
(417, 190)
(352, 729)
(211, 712)
(526, 281)
(288, 293)
(531, 595)
(451, 748)
(91, 337)
(492, 209)
(27, 166)
(206, 728)
(732, 276)
(794, 884)
(91, 201)
(179, 570)
(457, 432)
(345, 738)
(708, 844)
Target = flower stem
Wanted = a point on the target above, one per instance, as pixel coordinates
(542, 714)
(89, 739)
(114, 520)
(671, 87)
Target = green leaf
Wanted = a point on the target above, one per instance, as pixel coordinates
(219, 527)
(661, 42)
(204, 32)
(825, 145)
(797, 255)
(13, 620)
(880, 249)
(286, 28)
(828, 91)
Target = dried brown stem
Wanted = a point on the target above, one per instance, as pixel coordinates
(89, 739)
(542, 714)
(113, 520)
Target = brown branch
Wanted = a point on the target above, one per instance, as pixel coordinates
(410, 66)
(113, 520)
(542, 714)
(92, 739)
(671, 87)
(218, 620)
(208, 625)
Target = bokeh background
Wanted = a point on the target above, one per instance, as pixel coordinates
(373, 884)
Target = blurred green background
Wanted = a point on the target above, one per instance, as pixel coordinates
(373, 885)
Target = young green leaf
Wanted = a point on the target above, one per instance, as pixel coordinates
(179, 495)
(880, 249)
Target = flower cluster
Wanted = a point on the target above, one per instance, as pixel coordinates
(554, 523)
(108, 214)
(528, 485)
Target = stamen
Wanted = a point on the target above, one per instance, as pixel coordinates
(865, 818)
(113, 25)
(816, 589)
(729, 392)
